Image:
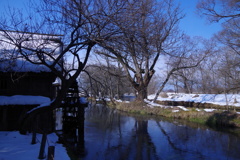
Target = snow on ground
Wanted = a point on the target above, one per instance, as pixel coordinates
(175, 109)
(16, 146)
(209, 110)
(218, 99)
(23, 100)
(183, 108)
(152, 104)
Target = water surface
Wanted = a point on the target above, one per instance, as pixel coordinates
(112, 135)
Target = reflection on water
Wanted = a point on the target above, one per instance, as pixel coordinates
(112, 135)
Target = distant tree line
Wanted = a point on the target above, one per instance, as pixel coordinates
(104, 81)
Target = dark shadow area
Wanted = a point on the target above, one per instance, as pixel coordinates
(14, 118)
(223, 119)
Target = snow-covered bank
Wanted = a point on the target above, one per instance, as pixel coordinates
(16, 146)
(218, 99)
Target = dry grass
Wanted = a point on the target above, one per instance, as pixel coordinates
(202, 117)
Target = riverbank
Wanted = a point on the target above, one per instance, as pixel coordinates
(212, 110)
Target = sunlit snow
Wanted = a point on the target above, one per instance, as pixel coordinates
(16, 146)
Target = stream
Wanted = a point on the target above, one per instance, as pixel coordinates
(113, 135)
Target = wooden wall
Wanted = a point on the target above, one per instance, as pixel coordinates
(11, 119)
(38, 84)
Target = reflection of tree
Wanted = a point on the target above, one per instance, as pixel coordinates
(144, 141)
(106, 119)
(140, 143)
(136, 145)
(199, 142)
(167, 136)
(183, 139)
(119, 136)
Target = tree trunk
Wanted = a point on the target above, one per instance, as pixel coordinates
(141, 93)
(162, 86)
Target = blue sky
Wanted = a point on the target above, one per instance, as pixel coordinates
(15, 3)
(192, 24)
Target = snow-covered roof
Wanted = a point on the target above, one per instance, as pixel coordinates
(23, 100)
(31, 42)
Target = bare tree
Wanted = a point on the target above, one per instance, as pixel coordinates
(227, 12)
(209, 80)
(230, 34)
(228, 70)
(146, 27)
(107, 80)
(154, 83)
(182, 59)
(58, 31)
(217, 10)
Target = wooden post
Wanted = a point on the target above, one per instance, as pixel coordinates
(51, 150)
(4, 118)
(42, 147)
(34, 135)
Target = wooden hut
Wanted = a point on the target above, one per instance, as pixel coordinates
(24, 78)
(24, 86)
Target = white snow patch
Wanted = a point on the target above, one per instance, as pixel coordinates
(183, 108)
(152, 104)
(16, 146)
(118, 100)
(57, 82)
(107, 99)
(209, 110)
(218, 99)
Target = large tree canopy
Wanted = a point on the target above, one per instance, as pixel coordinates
(73, 26)
(144, 29)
